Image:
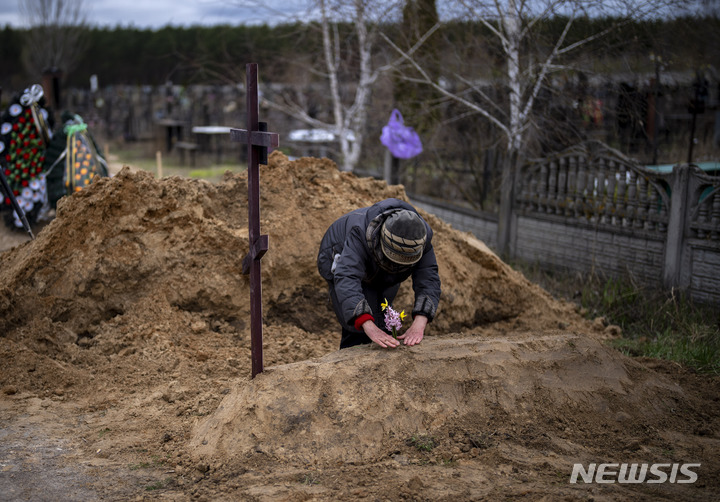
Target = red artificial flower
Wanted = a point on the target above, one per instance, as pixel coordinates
(7, 172)
(41, 159)
(24, 183)
(34, 151)
(21, 120)
(16, 192)
(8, 158)
(26, 170)
(15, 127)
(32, 135)
(26, 156)
(7, 201)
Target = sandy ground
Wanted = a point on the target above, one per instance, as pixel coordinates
(124, 341)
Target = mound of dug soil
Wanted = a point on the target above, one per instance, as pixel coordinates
(134, 259)
(132, 239)
(124, 337)
(352, 406)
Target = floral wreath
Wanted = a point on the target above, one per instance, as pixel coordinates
(24, 136)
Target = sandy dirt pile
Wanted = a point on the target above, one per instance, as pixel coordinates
(124, 337)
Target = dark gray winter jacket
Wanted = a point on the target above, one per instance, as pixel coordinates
(355, 236)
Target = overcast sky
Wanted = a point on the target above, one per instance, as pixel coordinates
(155, 14)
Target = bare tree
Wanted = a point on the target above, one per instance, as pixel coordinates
(345, 65)
(527, 66)
(55, 37)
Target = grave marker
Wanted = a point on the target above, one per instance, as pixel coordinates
(258, 142)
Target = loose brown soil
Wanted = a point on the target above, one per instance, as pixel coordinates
(124, 341)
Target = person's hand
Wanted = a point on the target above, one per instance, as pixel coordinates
(379, 336)
(415, 332)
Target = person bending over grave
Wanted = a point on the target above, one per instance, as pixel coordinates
(364, 256)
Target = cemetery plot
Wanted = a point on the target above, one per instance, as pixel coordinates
(125, 341)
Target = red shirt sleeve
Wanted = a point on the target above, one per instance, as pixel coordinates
(361, 320)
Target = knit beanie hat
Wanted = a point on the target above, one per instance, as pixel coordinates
(403, 237)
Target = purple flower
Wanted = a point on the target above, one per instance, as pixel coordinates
(393, 319)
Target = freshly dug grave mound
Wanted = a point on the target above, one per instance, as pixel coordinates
(133, 263)
(124, 334)
(355, 405)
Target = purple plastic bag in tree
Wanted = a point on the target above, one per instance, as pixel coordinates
(402, 141)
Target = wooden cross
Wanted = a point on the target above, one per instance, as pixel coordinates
(258, 142)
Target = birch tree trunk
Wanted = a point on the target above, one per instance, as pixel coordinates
(349, 120)
(511, 45)
(355, 117)
(512, 22)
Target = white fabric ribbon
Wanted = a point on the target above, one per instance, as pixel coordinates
(32, 95)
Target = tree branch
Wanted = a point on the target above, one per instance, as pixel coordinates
(427, 80)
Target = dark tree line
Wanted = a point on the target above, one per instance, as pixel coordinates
(121, 56)
(202, 54)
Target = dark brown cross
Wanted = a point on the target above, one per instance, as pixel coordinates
(258, 142)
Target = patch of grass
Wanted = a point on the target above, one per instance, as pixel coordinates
(700, 355)
(214, 172)
(654, 323)
(155, 461)
(422, 442)
(102, 432)
(659, 325)
(142, 156)
(158, 485)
